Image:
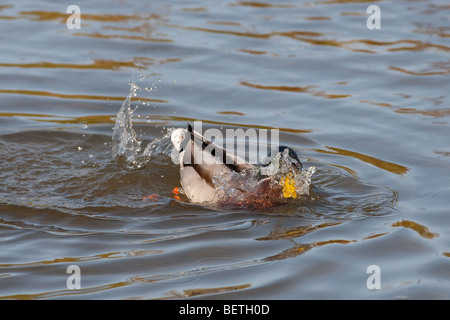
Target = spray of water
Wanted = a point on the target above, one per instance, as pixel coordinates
(125, 140)
(281, 180)
(126, 143)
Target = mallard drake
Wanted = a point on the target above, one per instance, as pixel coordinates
(208, 173)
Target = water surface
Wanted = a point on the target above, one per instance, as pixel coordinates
(368, 108)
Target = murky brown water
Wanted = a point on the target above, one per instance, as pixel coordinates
(368, 108)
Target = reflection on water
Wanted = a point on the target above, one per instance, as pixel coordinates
(422, 230)
(116, 36)
(137, 62)
(367, 108)
(72, 96)
(62, 16)
(297, 89)
(388, 166)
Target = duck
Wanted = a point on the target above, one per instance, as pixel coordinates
(211, 174)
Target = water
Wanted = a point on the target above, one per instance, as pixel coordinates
(369, 109)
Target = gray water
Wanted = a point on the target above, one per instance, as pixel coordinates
(369, 109)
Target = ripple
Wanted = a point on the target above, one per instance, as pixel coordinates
(40, 15)
(423, 73)
(307, 89)
(205, 291)
(119, 36)
(73, 96)
(263, 5)
(431, 112)
(101, 64)
(385, 165)
(420, 229)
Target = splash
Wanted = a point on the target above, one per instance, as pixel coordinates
(263, 186)
(125, 142)
(294, 182)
